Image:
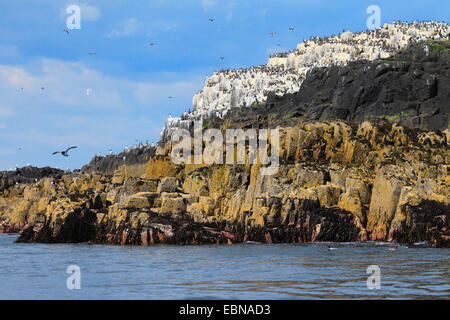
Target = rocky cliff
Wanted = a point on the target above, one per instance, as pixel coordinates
(410, 88)
(364, 155)
(285, 72)
(337, 182)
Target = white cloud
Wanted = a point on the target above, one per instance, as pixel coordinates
(89, 13)
(6, 112)
(127, 27)
(115, 113)
(208, 4)
(64, 84)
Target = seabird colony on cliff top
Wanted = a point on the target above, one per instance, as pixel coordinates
(285, 72)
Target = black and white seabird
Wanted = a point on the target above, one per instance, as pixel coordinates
(64, 153)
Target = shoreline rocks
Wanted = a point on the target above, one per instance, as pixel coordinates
(336, 182)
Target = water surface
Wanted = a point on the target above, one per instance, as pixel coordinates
(246, 271)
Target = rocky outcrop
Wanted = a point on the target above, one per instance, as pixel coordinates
(409, 88)
(427, 221)
(364, 155)
(26, 174)
(336, 182)
(285, 72)
(135, 158)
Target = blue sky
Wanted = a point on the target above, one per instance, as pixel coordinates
(128, 80)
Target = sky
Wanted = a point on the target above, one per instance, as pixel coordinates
(55, 92)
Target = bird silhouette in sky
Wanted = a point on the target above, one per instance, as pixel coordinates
(152, 44)
(273, 34)
(91, 53)
(64, 153)
(211, 19)
(221, 58)
(66, 31)
(292, 29)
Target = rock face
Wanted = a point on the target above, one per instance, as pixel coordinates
(336, 182)
(134, 158)
(27, 174)
(364, 155)
(410, 88)
(285, 72)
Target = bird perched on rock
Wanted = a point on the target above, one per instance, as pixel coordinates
(64, 153)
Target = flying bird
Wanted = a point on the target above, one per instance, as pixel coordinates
(91, 53)
(64, 153)
(221, 58)
(211, 19)
(66, 31)
(42, 88)
(152, 44)
(273, 34)
(292, 29)
(170, 97)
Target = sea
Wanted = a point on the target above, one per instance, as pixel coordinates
(366, 270)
